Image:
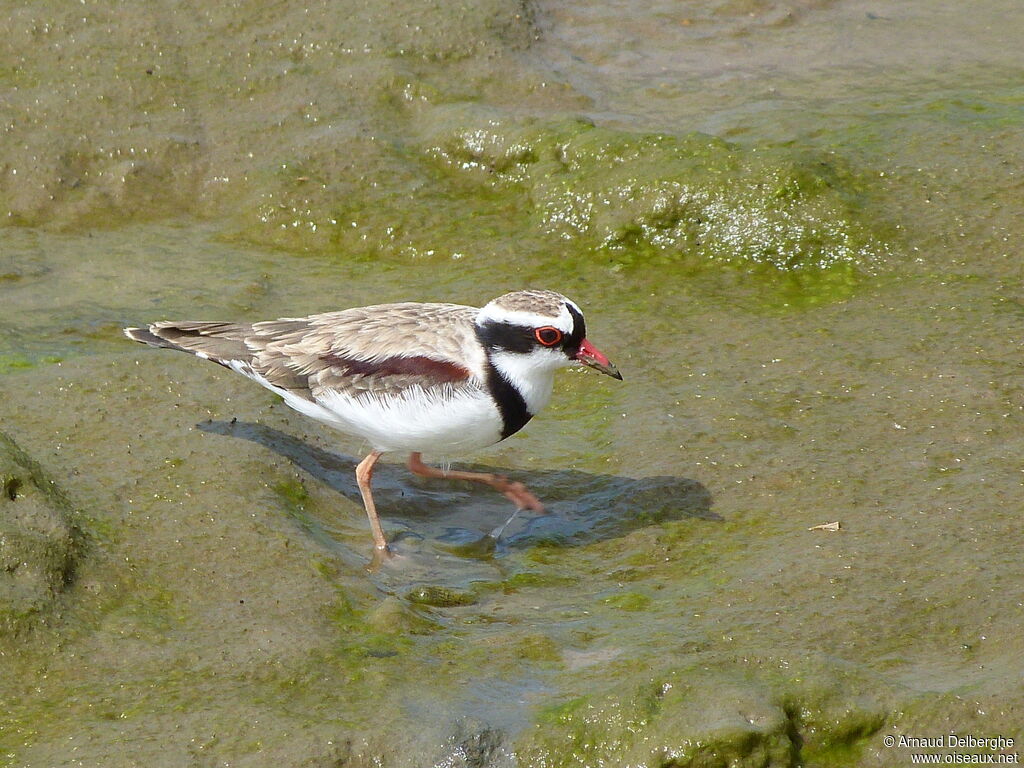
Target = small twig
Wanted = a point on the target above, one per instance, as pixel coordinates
(825, 527)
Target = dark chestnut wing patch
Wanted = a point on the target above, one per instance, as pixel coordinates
(384, 377)
(439, 371)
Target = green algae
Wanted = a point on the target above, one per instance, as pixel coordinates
(673, 720)
(382, 632)
(40, 542)
(628, 601)
(686, 198)
(305, 510)
(523, 580)
(439, 596)
(657, 725)
(20, 362)
(393, 617)
(292, 492)
(537, 647)
(841, 740)
(148, 612)
(582, 194)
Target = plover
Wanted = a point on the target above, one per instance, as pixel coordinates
(416, 377)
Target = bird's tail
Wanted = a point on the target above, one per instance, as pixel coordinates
(220, 342)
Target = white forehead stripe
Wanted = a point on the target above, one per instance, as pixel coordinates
(494, 313)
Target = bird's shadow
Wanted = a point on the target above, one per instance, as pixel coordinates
(581, 508)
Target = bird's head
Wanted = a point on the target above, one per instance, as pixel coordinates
(538, 331)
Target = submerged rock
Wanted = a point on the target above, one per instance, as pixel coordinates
(394, 617)
(38, 540)
(475, 744)
(440, 597)
(664, 723)
(702, 719)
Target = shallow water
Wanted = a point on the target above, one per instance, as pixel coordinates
(817, 321)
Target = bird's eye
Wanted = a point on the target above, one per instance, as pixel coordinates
(548, 335)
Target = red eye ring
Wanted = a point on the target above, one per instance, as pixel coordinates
(548, 335)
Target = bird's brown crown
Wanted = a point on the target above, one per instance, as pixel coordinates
(547, 303)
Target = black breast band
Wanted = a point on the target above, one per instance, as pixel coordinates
(511, 405)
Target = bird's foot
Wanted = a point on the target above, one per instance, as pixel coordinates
(380, 557)
(518, 494)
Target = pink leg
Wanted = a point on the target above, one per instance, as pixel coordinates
(364, 474)
(516, 492)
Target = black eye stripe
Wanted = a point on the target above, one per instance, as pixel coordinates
(517, 338)
(514, 338)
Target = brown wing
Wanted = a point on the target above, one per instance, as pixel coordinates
(219, 342)
(384, 349)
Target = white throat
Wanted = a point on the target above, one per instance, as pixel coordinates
(533, 374)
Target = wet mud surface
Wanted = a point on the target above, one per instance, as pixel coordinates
(807, 271)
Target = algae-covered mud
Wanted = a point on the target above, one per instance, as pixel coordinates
(794, 227)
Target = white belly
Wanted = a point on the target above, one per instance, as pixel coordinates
(444, 421)
(417, 421)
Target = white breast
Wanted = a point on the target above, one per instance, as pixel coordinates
(533, 374)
